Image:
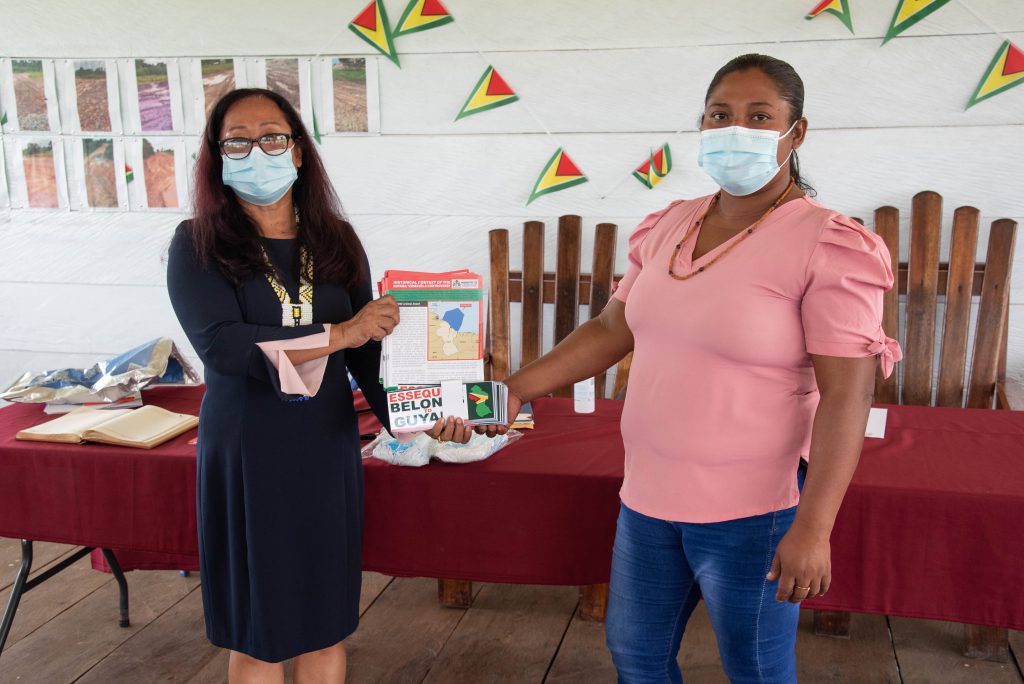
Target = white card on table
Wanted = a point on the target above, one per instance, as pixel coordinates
(876, 423)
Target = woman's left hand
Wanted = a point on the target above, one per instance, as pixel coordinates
(451, 430)
(803, 566)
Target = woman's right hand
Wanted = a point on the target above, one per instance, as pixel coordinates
(375, 321)
(515, 402)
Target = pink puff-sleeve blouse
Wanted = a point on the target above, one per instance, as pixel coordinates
(722, 392)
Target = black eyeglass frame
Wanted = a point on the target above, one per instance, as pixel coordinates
(291, 138)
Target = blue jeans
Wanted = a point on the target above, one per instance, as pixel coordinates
(660, 569)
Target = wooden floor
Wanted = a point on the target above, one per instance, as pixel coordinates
(66, 631)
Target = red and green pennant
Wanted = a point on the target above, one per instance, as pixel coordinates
(490, 91)
(839, 8)
(129, 174)
(656, 167)
(908, 13)
(1004, 72)
(421, 15)
(372, 26)
(559, 173)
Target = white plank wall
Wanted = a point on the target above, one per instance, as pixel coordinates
(609, 79)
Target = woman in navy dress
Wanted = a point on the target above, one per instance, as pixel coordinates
(268, 258)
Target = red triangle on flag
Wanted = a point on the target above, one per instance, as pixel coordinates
(496, 85)
(1014, 61)
(658, 157)
(566, 167)
(368, 17)
(433, 8)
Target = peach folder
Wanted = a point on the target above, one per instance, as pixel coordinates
(304, 378)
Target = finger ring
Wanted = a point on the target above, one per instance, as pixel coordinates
(797, 586)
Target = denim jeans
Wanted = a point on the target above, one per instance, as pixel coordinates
(660, 569)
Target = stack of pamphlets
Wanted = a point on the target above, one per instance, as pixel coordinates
(433, 361)
(417, 407)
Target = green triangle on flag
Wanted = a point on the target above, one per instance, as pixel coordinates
(490, 91)
(559, 173)
(3, 118)
(372, 26)
(839, 8)
(421, 15)
(316, 129)
(908, 13)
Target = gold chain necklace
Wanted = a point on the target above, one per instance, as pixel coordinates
(746, 233)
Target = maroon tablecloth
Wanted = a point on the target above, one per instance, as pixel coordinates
(929, 527)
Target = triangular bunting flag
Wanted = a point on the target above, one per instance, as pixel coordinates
(372, 26)
(3, 118)
(421, 15)
(840, 8)
(1005, 71)
(559, 173)
(908, 13)
(489, 92)
(129, 174)
(656, 167)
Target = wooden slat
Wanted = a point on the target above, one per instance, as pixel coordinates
(832, 623)
(498, 337)
(953, 359)
(922, 294)
(455, 593)
(887, 225)
(567, 278)
(622, 376)
(943, 281)
(992, 310)
(601, 273)
(532, 292)
(594, 602)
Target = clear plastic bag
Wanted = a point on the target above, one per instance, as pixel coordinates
(419, 450)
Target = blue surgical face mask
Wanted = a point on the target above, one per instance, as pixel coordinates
(260, 178)
(741, 160)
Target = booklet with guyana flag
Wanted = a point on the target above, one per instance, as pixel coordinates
(413, 408)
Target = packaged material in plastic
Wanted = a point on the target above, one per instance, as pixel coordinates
(419, 450)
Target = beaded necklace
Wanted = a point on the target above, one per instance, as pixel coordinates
(746, 233)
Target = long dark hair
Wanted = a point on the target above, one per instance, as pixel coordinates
(222, 233)
(791, 89)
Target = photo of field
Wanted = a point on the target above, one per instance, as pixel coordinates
(161, 183)
(100, 178)
(40, 175)
(349, 79)
(29, 96)
(218, 80)
(154, 95)
(283, 78)
(91, 89)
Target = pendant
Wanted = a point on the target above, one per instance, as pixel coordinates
(295, 314)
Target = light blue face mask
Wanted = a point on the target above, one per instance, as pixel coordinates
(741, 160)
(260, 178)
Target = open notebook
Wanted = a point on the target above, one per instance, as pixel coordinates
(144, 427)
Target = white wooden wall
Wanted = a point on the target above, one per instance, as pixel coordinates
(609, 79)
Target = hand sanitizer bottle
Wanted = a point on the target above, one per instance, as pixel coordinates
(583, 396)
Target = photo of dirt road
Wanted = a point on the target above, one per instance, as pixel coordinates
(218, 80)
(29, 96)
(161, 181)
(40, 175)
(283, 78)
(91, 89)
(100, 179)
(154, 95)
(349, 79)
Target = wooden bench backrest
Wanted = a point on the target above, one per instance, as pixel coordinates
(567, 288)
(924, 280)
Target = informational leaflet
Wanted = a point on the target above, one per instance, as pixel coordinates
(441, 333)
(418, 407)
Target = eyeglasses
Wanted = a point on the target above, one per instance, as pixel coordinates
(272, 143)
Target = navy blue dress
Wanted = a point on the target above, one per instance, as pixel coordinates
(280, 481)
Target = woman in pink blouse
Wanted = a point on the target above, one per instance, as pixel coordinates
(754, 317)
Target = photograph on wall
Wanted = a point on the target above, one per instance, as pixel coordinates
(218, 80)
(40, 174)
(159, 170)
(100, 174)
(348, 78)
(91, 91)
(30, 94)
(154, 95)
(283, 78)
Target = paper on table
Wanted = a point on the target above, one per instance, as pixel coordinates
(305, 378)
(876, 423)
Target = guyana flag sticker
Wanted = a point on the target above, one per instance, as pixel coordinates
(421, 15)
(490, 91)
(657, 166)
(840, 8)
(1005, 71)
(908, 13)
(559, 173)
